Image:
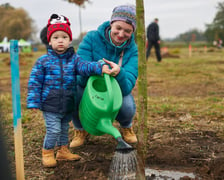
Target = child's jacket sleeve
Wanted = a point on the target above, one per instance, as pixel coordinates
(35, 86)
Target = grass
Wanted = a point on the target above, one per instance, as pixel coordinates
(187, 84)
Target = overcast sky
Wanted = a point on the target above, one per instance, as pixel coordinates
(175, 16)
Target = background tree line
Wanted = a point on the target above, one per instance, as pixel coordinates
(16, 24)
(215, 30)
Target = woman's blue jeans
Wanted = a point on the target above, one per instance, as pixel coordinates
(124, 117)
(57, 127)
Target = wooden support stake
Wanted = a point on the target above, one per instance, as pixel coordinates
(17, 124)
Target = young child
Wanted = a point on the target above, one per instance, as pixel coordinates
(51, 87)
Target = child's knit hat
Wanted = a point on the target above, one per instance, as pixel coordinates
(124, 13)
(58, 23)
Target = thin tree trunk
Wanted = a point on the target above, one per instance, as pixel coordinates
(142, 90)
(80, 21)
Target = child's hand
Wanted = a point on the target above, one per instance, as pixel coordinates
(106, 69)
(115, 68)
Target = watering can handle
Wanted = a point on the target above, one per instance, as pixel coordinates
(110, 92)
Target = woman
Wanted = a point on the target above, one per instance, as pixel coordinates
(113, 40)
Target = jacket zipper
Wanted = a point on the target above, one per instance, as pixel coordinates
(61, 88)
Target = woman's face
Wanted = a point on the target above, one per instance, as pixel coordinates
(120, 32)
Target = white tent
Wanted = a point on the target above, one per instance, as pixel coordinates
(4, 45)
(24, 46)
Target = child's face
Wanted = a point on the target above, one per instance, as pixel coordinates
(60, 41)
(120, 32)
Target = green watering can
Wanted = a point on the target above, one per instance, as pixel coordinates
(99, 107)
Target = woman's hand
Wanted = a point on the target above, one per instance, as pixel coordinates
(115, 68)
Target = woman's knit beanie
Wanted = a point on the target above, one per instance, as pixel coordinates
(126, 13)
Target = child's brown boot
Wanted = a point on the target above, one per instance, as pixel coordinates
(64, 154)
(48, 158)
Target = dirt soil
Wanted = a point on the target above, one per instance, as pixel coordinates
(170, 146)
(200, 152)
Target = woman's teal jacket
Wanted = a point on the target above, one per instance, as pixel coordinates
(96, 45)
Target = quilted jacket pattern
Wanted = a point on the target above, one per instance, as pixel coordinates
(52, 81)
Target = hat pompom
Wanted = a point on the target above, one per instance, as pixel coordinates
(54, 19)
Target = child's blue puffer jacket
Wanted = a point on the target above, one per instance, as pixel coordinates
(52, 82)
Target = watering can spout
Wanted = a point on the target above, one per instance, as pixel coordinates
(106, 126)
(123, 146)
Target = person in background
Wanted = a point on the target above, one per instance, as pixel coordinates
(220, 43)
(153, 39)
(51, 87)
(113, 40)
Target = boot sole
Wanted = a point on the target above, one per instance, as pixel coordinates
(68, 159)
(131, 142)
(76, 146)
(48, 166)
